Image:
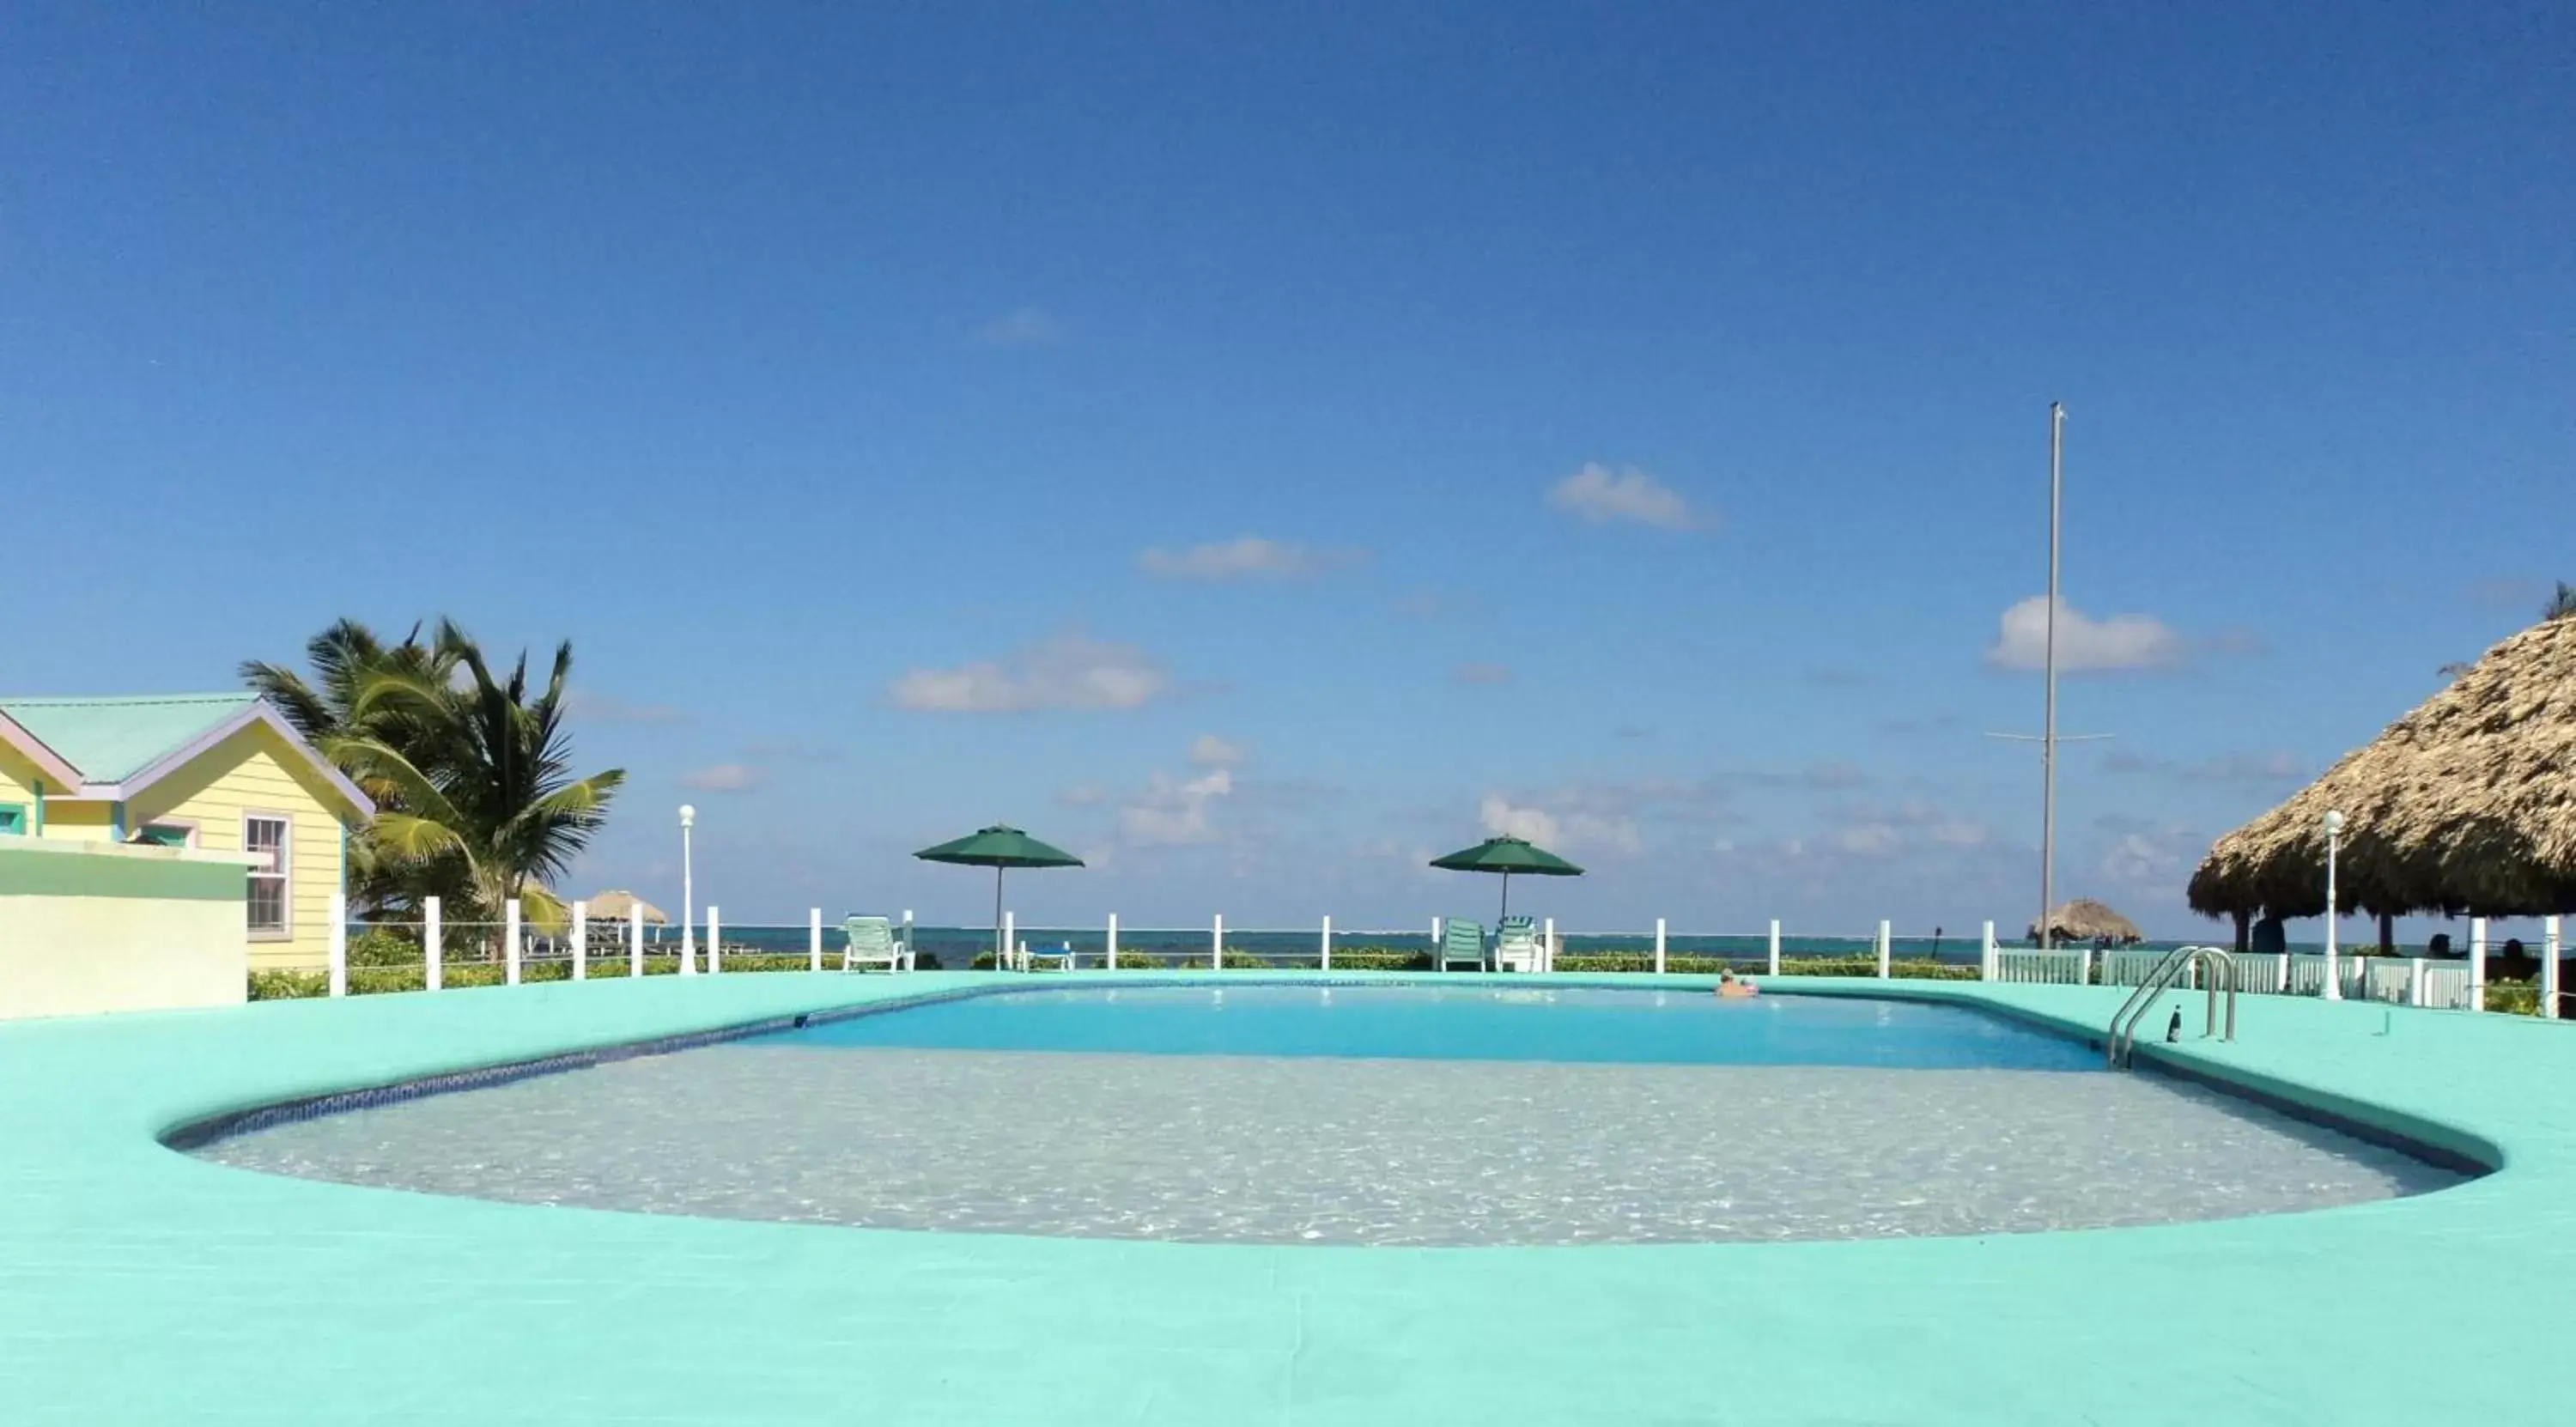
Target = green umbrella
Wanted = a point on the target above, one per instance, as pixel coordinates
(999, 847)
(1508, 855)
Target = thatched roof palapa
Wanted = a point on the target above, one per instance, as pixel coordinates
(2087, 920)
(2467, 804)
(613, 906)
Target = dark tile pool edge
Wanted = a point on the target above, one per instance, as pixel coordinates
(2436, 1144)
(198, 1133)
(2467, 1155)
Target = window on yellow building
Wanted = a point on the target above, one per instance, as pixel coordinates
(264, 838)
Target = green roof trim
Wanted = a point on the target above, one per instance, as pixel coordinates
(111, 739)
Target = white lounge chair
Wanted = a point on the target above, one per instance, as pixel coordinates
(1516, 946)
(871, 941)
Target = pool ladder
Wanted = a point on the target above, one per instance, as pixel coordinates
(2122, 1041)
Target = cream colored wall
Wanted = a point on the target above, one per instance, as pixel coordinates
(255, 770)
(90, 928)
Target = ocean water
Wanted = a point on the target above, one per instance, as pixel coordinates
(1289, 1126)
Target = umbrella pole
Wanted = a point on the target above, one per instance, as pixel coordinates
(1505, 914)
(1001, 953)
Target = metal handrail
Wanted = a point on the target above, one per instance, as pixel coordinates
(2122, 1039)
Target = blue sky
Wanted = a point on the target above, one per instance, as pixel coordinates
(1262, 450)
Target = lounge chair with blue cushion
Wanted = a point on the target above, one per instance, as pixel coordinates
(1461, 941)
(1516, 946)
(871, 941)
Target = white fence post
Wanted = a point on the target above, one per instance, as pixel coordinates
(1986, 955)
(2477, 963)
(1009, 956)
(715, 940)
(2084, 976)
(1113, 941)
(510, 942)
(430, 970)
(1883, 951)
(339, 977)
(1327, 961)
(635, 940)
(1547, 945)
(911, 950)
(1659, 946)
(1774, 968)
(814, 938)
(2549, 968)
(1439, 927)
(1216, 944)
(2414, 981)
(580, 941)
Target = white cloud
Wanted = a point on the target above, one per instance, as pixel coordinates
(1021, 327)
(724, 778)
(1248, 557)
(1866, 838)
(2239, 767)
(1210, 751)
(1573, 829)
(1082, 795)
(1174, 813)
(1502, 819)
(1871, 830)
(1600, 495)
(1069, 671)
(1481, 674)
(2123, 641)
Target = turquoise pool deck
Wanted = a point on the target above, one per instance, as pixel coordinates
(138, 1285)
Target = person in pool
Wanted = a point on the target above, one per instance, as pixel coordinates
(1731, 989)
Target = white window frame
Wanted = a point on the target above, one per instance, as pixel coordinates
(285, 873)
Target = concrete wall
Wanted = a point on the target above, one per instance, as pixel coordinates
(87, 927)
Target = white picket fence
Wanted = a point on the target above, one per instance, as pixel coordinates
(2411, 981)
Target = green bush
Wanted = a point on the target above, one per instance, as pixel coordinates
(379, 946)
(1379, 958)
(288, 984)
(2513, 998)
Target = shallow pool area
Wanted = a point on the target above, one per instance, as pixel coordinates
(1381, 1116)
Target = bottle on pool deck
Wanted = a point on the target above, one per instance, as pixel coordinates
(2173, 1028)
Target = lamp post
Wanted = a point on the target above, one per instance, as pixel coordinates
(2334, 845)
(688, 890)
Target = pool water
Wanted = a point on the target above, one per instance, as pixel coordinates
(1477, 1023)
(1367, 1116)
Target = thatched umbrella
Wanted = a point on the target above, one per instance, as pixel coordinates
(613, 907)
(2467, 804)
(2087, 920)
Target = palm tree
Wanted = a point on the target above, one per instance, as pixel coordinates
(324, 710)
(480, 774)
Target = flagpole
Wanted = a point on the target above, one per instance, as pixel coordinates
(2048, 734)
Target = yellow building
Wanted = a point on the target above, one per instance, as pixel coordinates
(218, 772)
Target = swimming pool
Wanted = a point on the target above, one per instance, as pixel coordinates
(1377, 1115)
